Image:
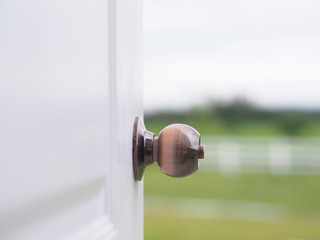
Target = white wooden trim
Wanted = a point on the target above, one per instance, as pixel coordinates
(101, 229)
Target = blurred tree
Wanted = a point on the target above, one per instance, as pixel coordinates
(292, 123)
(239, 117)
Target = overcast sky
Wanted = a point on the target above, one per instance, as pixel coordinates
(266, 51)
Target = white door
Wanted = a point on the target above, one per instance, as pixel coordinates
(70, 87)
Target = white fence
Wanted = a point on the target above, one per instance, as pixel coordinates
(228, 154)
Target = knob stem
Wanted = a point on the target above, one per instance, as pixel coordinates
(155, 149)
(201, 152)
(148, 148)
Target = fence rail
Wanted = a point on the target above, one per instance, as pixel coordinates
(275, 155)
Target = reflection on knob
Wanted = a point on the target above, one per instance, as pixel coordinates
(176, 150)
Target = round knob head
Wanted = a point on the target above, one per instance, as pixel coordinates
(179, 150)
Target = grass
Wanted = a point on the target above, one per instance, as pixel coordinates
(182, 228)
(173, 218)
(236, 207)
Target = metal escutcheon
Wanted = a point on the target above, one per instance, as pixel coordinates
(176, 149)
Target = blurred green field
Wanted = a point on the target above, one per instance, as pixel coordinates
(213, 128)
(246, 206)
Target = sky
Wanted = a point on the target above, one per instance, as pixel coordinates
(265, 51)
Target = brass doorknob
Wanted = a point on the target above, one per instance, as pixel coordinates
(176, 149)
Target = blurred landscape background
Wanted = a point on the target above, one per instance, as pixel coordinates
(246, 75)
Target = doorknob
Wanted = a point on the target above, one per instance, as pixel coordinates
(176, 149)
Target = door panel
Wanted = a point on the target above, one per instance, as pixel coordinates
(66, 119)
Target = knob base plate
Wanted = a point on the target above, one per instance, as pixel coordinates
(138, 148)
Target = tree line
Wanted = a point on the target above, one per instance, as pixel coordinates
(239, 113)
